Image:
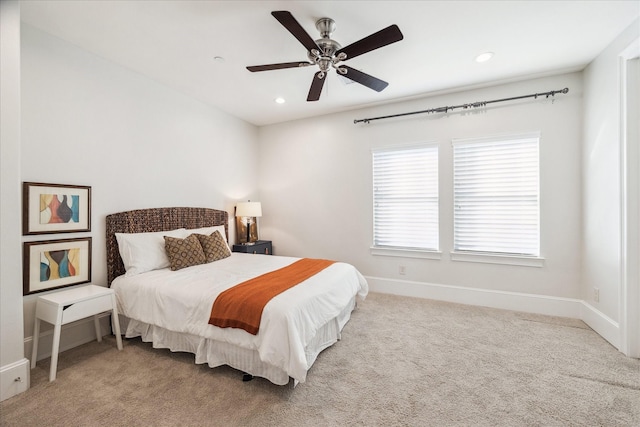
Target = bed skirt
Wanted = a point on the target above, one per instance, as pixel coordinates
(218, 353)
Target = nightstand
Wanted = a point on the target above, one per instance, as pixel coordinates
(259, 247)
(60, 308)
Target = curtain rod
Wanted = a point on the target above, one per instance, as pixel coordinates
(465, 106)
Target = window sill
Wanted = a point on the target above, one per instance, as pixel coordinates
(406, 253)
(524, 261)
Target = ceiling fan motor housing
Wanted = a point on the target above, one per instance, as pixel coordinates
(328, 47)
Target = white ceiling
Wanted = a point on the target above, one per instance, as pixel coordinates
(175, 42)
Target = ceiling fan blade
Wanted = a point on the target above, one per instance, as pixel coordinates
(364, 79)
(268, 67)
(290, 23)
(316, 86)
(386, 36)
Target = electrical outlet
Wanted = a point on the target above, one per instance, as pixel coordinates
(596, 294)
(402, 270)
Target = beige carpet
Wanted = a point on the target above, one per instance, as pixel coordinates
(401, 362)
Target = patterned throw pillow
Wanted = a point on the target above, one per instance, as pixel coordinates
(184, 252)
(214, 246)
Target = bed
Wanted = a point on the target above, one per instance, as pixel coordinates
(171, 309)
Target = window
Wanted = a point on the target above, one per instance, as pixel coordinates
(405, 198)
(496, 195)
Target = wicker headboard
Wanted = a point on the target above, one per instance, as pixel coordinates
(156, 219)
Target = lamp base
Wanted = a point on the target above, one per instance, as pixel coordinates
(241, 231)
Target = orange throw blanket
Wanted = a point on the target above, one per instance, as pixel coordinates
(241, 306)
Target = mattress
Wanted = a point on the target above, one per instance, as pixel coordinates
(172, 308)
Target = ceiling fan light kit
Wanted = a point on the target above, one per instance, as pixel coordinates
(327, 53)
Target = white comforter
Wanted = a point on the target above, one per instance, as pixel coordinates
(181, 301)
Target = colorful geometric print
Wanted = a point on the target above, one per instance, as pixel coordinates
(59, 264)
(59, 208)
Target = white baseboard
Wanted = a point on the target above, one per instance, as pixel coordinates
(601, 323)
(530, 303)
(14, 378)
(72, 335)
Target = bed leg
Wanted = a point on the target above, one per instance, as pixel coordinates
(246, 377)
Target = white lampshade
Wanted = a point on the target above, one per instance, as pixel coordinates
(249, 209)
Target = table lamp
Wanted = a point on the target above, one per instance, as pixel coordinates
(249, 211)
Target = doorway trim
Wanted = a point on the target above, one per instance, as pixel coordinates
(629, 296)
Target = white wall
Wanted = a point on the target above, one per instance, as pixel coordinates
(13, 365)
(138, 144)
(601, 163)
(316, 188)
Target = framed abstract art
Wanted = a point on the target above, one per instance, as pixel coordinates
(55, 208)
(52, 264)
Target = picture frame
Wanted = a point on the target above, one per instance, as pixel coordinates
(52, 264)
(55, 208)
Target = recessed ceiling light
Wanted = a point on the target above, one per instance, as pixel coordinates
(218, 59)
(484, 57)
(280, 100)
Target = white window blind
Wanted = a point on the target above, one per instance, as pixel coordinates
(496, 195)
(405, 197)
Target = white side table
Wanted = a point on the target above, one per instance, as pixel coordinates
(60, 308)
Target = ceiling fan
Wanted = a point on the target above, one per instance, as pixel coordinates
(327, 53)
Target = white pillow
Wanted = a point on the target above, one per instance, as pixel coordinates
(208, 231)
(142, 252)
